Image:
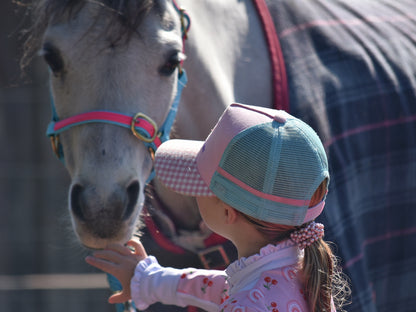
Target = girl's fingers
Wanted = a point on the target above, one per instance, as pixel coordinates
(138, 248)
(119, 297)
(109, 255)
(101, 264)
(125, 251)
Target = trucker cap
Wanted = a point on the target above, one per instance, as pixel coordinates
(263, 162)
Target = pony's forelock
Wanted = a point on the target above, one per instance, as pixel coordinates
(127, 14)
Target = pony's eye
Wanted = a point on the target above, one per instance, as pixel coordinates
(172, 63)
(53, 58)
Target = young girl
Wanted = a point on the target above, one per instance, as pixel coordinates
(260, 180)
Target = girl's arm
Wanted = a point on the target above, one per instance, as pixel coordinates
(152, 283)
(146, 282)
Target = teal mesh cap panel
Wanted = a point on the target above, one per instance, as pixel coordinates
(270, 171)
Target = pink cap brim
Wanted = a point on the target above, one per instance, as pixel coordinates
(175, 166)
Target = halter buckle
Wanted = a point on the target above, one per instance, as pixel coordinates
(55, 145)
(139, 135)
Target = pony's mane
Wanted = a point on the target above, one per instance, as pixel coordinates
(127, 13)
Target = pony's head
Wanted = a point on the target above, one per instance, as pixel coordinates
(112, 55)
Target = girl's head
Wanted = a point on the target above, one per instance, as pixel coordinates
(265, 163)
(269, 166)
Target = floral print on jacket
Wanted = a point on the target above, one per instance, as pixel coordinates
(267, 281)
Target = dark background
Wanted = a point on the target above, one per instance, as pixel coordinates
(35, 230)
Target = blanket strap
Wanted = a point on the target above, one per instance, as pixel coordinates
(279, 78)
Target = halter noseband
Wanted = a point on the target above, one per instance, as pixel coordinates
(141, 125)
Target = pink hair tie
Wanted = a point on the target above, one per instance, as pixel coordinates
(306, 236)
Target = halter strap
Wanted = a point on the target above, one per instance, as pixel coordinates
(142, 126)
(185, 19)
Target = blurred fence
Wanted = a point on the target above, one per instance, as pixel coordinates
(41, 264)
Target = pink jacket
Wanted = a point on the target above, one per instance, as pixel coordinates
(267, 281)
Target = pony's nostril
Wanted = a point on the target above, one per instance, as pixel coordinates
(132, 195)
(77, 201)
(88, 207)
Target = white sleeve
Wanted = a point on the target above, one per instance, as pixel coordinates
(153, 283)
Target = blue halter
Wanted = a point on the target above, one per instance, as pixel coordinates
(142, 126)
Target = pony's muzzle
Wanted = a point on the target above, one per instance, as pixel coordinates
(103, 216)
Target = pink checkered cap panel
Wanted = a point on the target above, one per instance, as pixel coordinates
(175, 166)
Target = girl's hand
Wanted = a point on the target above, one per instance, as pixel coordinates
(121, 262)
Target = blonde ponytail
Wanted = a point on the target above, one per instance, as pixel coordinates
(323, 279)
(324, 282)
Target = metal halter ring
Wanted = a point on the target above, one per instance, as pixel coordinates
(140, 136)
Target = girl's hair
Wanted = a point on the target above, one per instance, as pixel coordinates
(322, 277)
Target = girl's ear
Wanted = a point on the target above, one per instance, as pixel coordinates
(231, 214)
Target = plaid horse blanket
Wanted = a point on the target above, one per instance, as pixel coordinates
(351, 68)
